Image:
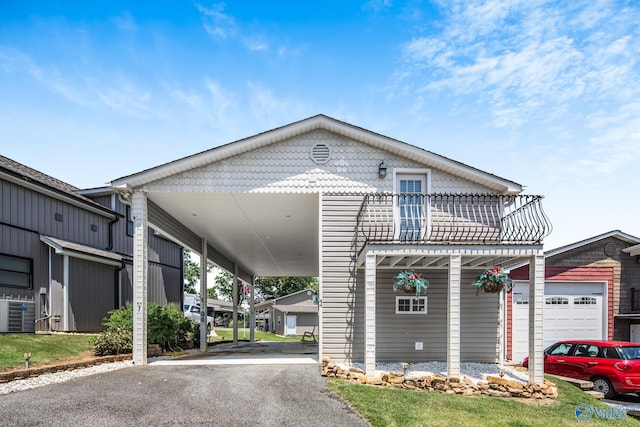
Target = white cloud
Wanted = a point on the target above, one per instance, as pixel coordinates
(125, 21)
(562, 65)
(216, 22)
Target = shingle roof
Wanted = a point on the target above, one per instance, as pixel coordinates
(29, 175)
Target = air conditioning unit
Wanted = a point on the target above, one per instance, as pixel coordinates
(17, 316)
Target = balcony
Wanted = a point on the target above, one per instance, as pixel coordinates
(480, 219)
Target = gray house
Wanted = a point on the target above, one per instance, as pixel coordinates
(324, 198)
(293, 314)
(66, 254)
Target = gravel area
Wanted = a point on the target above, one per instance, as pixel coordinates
(59, 377)
(474, 371)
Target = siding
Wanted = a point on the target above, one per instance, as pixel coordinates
(286, 166)
(342, 299)
(165, 284)
(27, 209)
(92, 293)
(396, 334)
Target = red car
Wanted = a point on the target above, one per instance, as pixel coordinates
(612, 366)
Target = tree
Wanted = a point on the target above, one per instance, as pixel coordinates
(192, 272)
(275, 287)
(266, 287)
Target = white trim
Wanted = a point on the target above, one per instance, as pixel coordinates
(320, 277)
(370, 314)
(454, 313)
(412, 299)
(65, 292)
(536, 317)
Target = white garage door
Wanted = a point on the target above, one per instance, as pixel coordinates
(571, 311)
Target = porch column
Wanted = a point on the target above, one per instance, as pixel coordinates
(453, 316)
(203, 296)
(140, 275)
(65, 293)
(536, 305)
(235, 303)
(370, 314)
(252, 311)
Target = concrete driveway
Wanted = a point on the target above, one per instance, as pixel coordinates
(229, 394)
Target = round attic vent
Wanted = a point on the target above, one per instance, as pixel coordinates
(320, 154)
(610, 249)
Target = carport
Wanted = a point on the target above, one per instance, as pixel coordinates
(268, 232)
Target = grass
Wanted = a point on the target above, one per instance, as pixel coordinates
(44, 348)
(395, 407)
(227, 334)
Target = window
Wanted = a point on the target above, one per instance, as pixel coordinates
(129, 222)
(557, 300)
(587, 350)
(561, 349)
(411, 207)
(16, 271)
(411, 305)
(584, 301)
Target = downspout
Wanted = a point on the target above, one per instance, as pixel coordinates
(116, 286)
(111, 224)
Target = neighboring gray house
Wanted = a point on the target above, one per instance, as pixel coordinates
(324, 198)
(292, 314)
(66, 254)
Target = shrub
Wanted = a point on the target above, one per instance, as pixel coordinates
(166, 325)
(113, 342)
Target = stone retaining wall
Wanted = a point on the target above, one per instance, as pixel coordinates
(494, 386)
(36, 371)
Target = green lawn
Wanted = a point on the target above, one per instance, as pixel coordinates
(44, 348)
(395, 407)
(244, 334)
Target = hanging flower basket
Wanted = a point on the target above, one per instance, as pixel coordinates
(410, 282)
(493, 280)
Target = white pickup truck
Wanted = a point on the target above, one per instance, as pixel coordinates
(192, 312)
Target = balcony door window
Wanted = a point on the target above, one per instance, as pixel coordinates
(410, 207)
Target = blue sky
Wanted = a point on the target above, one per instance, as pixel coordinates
(544, 93)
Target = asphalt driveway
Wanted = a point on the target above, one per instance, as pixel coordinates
(201, 395)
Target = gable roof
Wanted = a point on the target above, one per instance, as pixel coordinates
(628, 238)
(320, 121)
(25, 176)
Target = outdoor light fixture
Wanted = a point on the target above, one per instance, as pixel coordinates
(382, 170)
(405, 366)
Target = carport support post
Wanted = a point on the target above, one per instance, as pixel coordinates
(235, 303)
(370, 314)
(252, 330)
(536, 299)
(203, 296)
(453, 316)
(140, 274)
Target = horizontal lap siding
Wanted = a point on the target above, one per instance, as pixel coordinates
(396, 334)
(342, 300)
(479, 330)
